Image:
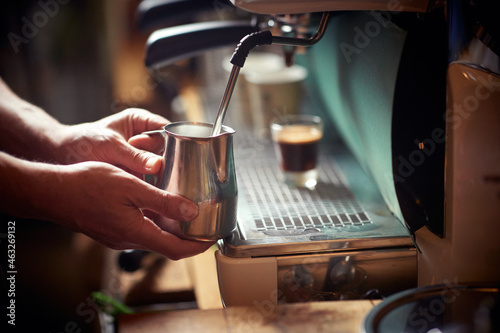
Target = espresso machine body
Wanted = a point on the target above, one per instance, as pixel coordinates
(412, 88)
(380, 105)
(414, 94)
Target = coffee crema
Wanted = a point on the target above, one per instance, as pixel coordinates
(298, 147)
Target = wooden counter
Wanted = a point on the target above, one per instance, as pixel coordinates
(336, 316)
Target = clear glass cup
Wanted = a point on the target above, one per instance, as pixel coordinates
(296, 143)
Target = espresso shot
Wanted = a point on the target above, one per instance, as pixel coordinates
(296, 139)
(298, 147)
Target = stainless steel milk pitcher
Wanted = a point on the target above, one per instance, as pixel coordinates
(201, 168)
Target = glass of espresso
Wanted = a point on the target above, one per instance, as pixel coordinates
(296, 142)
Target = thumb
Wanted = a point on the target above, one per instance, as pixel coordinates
(165, 203)
(138, 160)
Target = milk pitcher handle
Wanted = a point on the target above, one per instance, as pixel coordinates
(160, 131)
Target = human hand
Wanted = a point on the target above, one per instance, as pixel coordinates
(106, 203)
(106, 140)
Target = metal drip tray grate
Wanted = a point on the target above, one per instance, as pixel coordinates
(277, 206)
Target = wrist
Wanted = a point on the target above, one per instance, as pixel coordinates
(47, 135)
(26, 130)
(59, 142)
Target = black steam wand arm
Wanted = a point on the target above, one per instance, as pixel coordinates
(243, 49)
(265, 37)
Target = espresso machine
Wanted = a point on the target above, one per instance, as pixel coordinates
(413, 89)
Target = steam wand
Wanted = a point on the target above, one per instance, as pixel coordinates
(243, 49)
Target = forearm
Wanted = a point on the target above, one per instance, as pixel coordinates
(99, 200)
(26, 130)
(26, 187)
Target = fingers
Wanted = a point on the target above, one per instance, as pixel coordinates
(153, 238)
(136, 155)
(150, 120)
(141, 120)
(150, 237)
(152, 143)
(170, 206)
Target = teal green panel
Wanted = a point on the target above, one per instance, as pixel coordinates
(355, 66)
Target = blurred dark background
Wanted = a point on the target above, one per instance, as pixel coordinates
(80, 60)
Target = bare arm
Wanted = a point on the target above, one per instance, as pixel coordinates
(29, 132)
(97, 199)
(77, 190)
(26, 130)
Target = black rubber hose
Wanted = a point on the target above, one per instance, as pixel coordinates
(247, 43)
